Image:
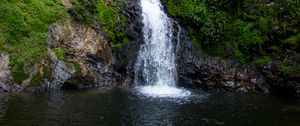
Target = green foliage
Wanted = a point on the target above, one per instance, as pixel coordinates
(110, 20)
(23, 31)
(293, 41)
(17, 71)
(195, 39)
(105, 12)
(2, 40)
(84, 10)
(262, 61)
(47, 73)
(207, 23)
(252, 31)
(59, 52)
(287, 69)
(78, 69)
(243, 39)
(36, 81)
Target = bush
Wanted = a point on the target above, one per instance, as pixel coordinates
(250, 30)
(207, 23)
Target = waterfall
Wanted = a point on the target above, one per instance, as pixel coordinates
(155, 68)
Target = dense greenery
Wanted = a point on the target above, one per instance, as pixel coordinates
(105, 12)
(252, 31)
(23, 31)
(255, 31)
(24, 25)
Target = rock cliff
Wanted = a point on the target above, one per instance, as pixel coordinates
(80, 56)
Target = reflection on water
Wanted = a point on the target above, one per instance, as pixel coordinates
(151, 111)
(128, 107)
(3, 106)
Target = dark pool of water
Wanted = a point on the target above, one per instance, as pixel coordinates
(127, 107)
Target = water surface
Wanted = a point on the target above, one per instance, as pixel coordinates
(129, 107)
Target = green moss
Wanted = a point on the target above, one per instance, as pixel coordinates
(84, 10)
(59, 52)
(104, 12)
(18, 72)
(262, 61)
(293, 41)
(2, 40)
(78, 69)
(110, 20)
(239, 56)
(196, 43)
(47, 73)
(287, 69)
(23, 31)
(35, 82)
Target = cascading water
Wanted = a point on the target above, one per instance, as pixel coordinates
(155, 67)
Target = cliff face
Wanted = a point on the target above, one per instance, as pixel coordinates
(198, 70)
(202, 71)
(195, 69)
(80, 56)
(88, 59)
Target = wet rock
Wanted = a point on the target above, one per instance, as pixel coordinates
(126, 56)
(6, 81)
(200, 70)
(280, 83)
(88, 60)
(61, 73)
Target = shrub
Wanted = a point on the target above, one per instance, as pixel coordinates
(250, 30)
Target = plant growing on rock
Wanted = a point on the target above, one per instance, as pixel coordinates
(246, 30)
(23, 31)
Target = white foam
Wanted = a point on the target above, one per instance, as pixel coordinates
(164, 92)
